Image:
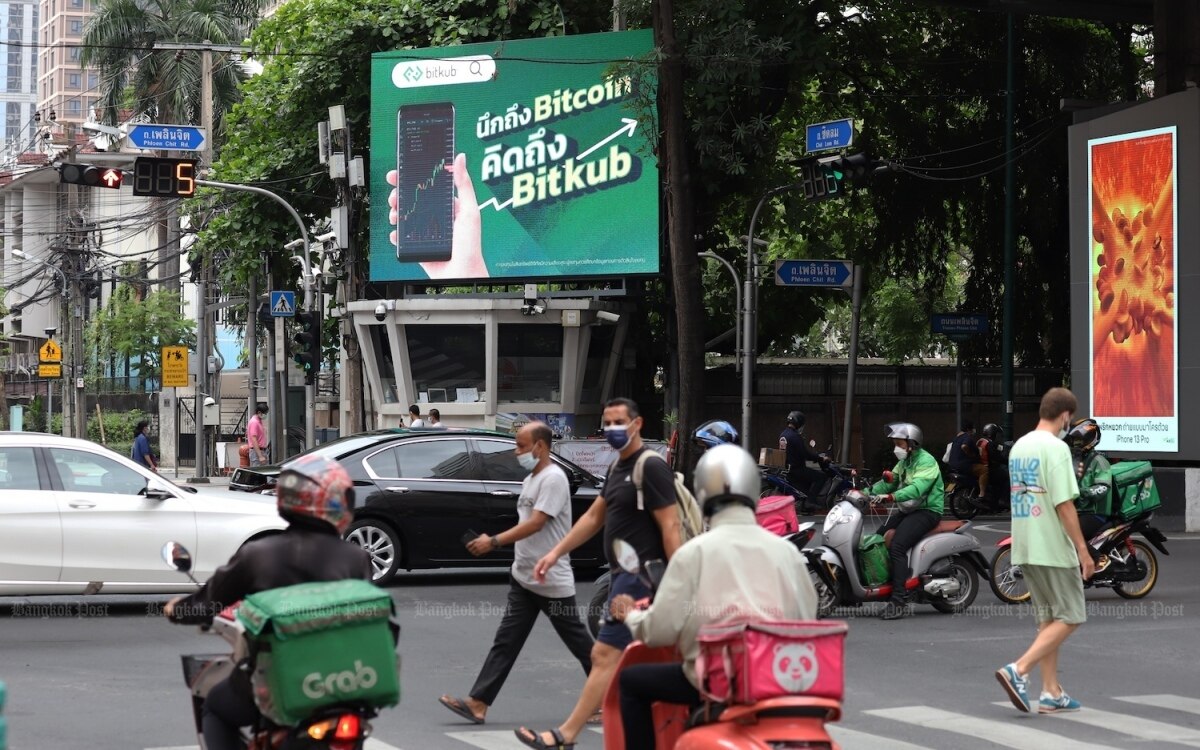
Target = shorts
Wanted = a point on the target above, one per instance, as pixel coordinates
(1056, 594)
(613, 633)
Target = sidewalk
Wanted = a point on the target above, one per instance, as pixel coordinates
(187, 475)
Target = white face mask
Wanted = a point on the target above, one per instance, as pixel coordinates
(1062, 431)
(901, 453)
(527, 460)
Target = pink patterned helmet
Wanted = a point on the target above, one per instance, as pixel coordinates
(317, 487)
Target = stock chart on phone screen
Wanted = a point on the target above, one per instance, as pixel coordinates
(425, 150)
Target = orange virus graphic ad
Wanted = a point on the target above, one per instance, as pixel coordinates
(1133, 260)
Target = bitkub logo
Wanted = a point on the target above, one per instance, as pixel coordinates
(317, 686)
(795, 667)
(413, 73)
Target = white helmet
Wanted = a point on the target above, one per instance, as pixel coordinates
(726, 473)
(906, 431)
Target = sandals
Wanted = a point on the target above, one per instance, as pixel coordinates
(460, 707)
(530, 738)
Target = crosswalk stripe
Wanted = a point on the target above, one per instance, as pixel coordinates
(1172, 702)
(1008, 734)
(1134, 726)
(488, 740)
(852, 739)
(374, 744)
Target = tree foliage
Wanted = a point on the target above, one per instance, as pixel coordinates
(132, 328)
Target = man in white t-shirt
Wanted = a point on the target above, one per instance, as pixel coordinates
(543, 519)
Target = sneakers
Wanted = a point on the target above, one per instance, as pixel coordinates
(1016, 686)
(1048, 704)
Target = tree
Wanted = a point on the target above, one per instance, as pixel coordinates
(119, 41)
(132, 329)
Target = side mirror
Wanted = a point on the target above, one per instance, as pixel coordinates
(626, 557)
(176, 556)
(157, 491)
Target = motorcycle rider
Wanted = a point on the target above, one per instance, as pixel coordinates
(917, 489)
(799, 453)
(1094, 472)
(993, 455)
(964, 456)
(314, 495)
(736, 570)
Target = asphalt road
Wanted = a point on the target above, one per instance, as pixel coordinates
(104, 673)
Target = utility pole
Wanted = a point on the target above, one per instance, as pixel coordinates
(347, 173)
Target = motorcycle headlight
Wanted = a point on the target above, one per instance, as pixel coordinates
(832, 518)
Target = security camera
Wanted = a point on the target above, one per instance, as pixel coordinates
(95, 127)
(327, 237)
(294, 244)
(210, 401)
(539, 309)
(380, 312)
(605, 315)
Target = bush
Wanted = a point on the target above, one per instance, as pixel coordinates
(118, 429)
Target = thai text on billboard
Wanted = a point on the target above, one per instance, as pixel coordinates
(525, 159)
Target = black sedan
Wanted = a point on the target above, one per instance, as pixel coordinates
(419, 491)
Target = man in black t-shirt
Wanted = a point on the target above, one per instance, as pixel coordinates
(653, 530)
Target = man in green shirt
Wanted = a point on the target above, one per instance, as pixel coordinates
(1050, 549)
(917, 489)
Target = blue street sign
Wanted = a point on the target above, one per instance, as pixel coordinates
(167, 137)
(826, 136)
(283, 304)
(958, 326)
(814, 273)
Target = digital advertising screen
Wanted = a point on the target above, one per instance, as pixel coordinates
(1132, 178)
(515, 160)
(1135, 271)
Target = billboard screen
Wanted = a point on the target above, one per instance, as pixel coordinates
(514, 160)
(1133, 337)
(1134, 274)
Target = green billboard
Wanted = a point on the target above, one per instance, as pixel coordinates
(519, 160)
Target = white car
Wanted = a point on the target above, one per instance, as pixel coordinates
(77, 518)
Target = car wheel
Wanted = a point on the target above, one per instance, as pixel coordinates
(382, 543)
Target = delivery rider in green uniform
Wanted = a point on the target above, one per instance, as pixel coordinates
(1094, 473)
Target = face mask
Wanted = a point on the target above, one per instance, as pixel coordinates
(1062, 432)
(617, 435)
(901, 453)
(527, 460)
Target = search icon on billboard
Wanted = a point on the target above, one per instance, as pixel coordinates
(418, 73)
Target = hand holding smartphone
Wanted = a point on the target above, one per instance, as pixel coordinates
(469, 537)
(424, 151)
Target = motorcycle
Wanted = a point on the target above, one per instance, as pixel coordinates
(841, 478)
(338, 727)
(1123, 564)
(945, 566)
(793, 721)
(962, 490)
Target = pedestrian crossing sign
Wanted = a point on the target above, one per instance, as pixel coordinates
(283, 304)
(50, 352)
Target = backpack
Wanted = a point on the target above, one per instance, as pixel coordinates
(691, 520)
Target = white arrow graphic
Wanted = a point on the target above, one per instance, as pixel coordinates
(627, 129)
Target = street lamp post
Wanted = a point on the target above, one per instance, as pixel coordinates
(737, 290)
(749, 319)
(22, 255)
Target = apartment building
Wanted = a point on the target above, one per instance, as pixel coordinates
(66, 91)
(18, 92)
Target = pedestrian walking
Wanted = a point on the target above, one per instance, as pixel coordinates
(256, 437)
(1050, 549)
(141, 452)
(543, 519)
(645, 516)
(435, 420)
(414, 414)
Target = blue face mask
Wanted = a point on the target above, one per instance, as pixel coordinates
(617, 435)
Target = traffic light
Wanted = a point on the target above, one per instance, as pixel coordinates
(91, 175)
(308, 345)
(850, 167)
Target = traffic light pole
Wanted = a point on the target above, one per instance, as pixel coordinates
(307, 279)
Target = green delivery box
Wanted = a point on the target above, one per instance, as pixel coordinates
(1134, 490)
(320, 644)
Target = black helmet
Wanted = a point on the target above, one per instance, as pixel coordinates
(715, 432)
(796, 419)
(993, 432)
(1083, 437)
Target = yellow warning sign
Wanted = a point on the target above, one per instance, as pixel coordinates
(175, 367)
(50, 352)
(50, 371)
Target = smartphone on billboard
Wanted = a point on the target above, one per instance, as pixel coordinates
(424, 148)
